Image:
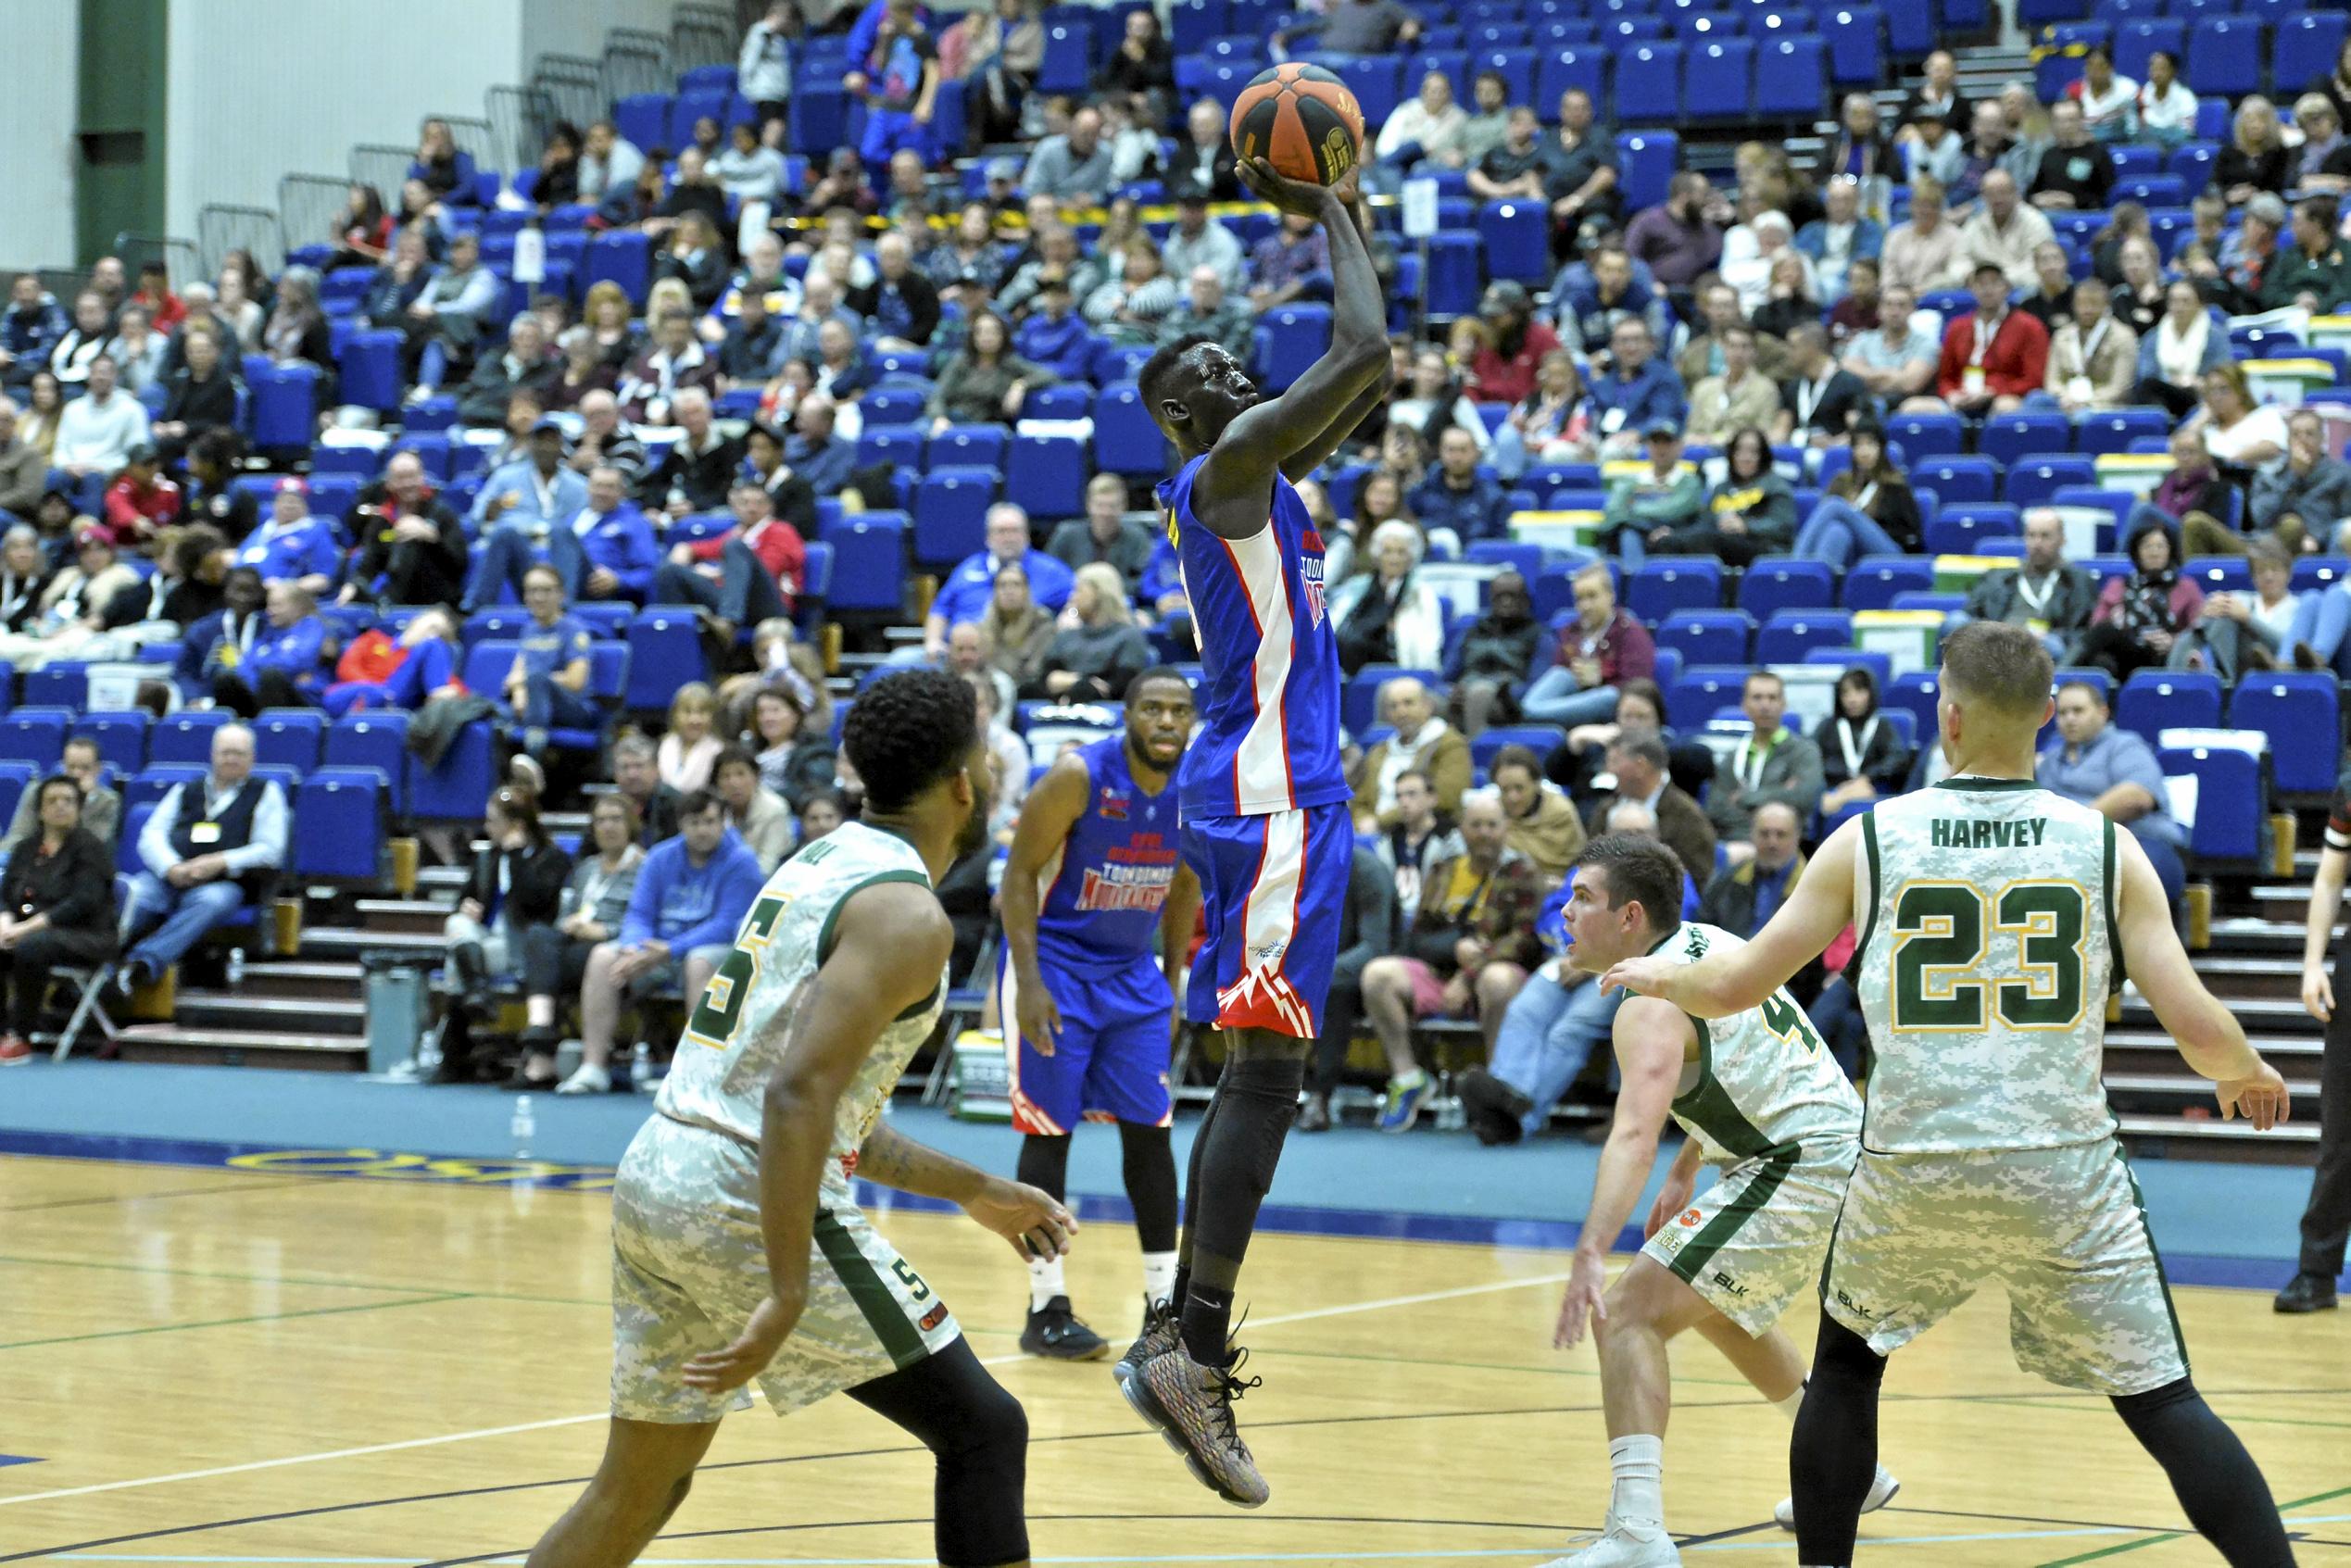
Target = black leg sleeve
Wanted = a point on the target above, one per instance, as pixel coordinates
(2219, 1487)
(1044, 1163)
(1833, 1456)
(979, 1435)
(1148, 1162)
(1233, 1168)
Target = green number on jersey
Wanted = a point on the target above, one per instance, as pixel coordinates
(721, 1006)
(913, 1281)
(1939, 936)
(1938, 931)
(1785, 1019)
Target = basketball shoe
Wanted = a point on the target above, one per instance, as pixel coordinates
(1055, 1332)
(1192, 1407)
(1882, 1492)
(1161, 1332)
(1620, 1545)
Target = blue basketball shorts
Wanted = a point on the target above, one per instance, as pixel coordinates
(1109, 1063)
(1272, 889)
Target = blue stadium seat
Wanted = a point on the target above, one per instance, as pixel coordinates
(1791, 636)
(1648, 84)
(869, 565)
(1645, 164)
(899, 446)
(2151, 189)
(185, 736)
(1068, 58)
(2232, 574)
(1067, 401)
(1562, 66)
(2223, 57)
(1377, 83)
(2192, 163)
(608, 685)
(65, 683)
(2113, 430)
(1191, 23)
(1692, 696)
(1792, 78)
(2033, 480)
(2231, 802)
(1524, 559)
(2300, 712)
(622, 258)
(1660, 587)
(1537, 738)
(665, 652)
(2155, 700)
(2310, 41)
(1516, 66)
(817, 118)
(1708, 636)
(504, 622)
(891, 405)
(285, 405)
(1359, 698)
(1922, 436)
(967, 447)
(460, 787)
(377, 738)
(1913, 692)
(1856, 45)
(371, 365)
(1957, 479)
(1127, 441)
(1960, 531)
(608, 619)
(1454, 278)
(1879, 665)
(36, 736)
(2140, 37)
(1777, 582)
(339, 824)
(432, 449)
(289, 737)
(1873, 581)
(2311, 573)
(1517, 234)
(1047, 475)
(121, 738)
(1719, 80)
(950, 515)
(687, 107)
(2007, 437)
(644, 119)
(151, 783)
(1295, 336)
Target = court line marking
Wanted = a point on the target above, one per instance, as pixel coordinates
(253, 1465)
(230, 1322)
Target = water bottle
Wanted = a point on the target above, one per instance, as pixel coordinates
(236, 969)
(641, 1068)
(523, 1128)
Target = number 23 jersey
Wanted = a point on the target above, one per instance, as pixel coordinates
(735, 1036)
(1987, 952)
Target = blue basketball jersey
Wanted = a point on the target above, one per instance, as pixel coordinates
(1269, 695)
(1102, 894)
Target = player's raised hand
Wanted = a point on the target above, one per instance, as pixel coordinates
(715, 1372)
(1037, 1014)
(2260, 1097)
(1036, 1224)
(2318, 992)
(1302, 197)
(1586, 1300)
(1642, 976)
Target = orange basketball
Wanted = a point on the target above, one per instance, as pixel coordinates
(1301, 119)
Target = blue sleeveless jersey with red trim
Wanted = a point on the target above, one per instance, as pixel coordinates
(1269, 695)
(1104, 891)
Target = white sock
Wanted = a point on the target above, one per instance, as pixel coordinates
(1159, 1275)
(1044, 1282)
(1638, 1463)
(1791, 1405)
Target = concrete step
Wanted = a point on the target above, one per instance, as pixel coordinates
(410, 916)
(347, 942)
(300, 978)
(2275, 1015)
(2151, 1050)
(242, 1047)
(2230, 976)
(242, 1009)
(2249, 933)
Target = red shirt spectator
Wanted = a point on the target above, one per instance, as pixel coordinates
(140, 500)
(1623, 646)
(165, 310)
(2012, 355)
(1505, 369)
(777, 545)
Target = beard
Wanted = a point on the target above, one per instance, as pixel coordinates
(974, 833)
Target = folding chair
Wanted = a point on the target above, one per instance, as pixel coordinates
(89, 1010)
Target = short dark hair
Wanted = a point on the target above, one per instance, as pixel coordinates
(56, 781)
(1645, 745)
(734, 756)
(2004, 666)
(909, 732)
(90, 741)
(2324, 211)
(697, 801)
(1515, 756)
(1161, 673)
(1639, 871)
(1754, 675)
(1151, 379)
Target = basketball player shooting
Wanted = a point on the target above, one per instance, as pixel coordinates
(1263, 801)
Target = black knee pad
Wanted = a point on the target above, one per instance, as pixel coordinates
(1268, 1077)
(1840, 1353)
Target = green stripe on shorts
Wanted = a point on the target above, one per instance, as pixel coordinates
(1723, 1226)
(870, 1291)
(2179, 1339)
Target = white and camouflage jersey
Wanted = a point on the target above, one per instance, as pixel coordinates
(1987, 953)
(1762, 1084)
(734, 1038)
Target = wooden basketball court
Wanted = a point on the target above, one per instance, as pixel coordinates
(242, 1366)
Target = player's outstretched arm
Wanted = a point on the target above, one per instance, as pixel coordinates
(1652, 1040)
(1047, 816)
(1741, 977)
(2207, 1034)
(1177, 919)
(1234, 487)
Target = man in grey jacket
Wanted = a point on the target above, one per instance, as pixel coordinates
(1073, 169)
(2311, 489)
(2047, 593)
(101, 808)
(1770, 765)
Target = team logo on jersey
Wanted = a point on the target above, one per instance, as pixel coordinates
(933, 1318)
(1310, 572)
(1113, 806)
(1690, 1217)
(1669, 1242)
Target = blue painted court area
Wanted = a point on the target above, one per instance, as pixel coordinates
(2226, 1225)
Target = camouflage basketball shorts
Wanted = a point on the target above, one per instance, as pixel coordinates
(689, 1268)
(1753, 1242)
(2064, 1229)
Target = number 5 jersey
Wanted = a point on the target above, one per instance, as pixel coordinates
(1987, 952)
